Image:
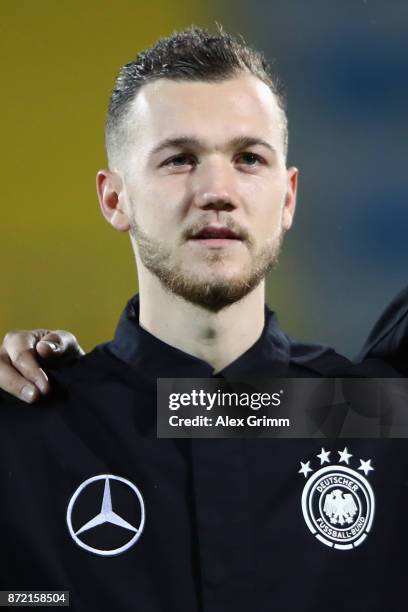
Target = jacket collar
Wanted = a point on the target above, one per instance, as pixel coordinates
(155, 359)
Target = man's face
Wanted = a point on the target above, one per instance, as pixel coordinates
(207, 192)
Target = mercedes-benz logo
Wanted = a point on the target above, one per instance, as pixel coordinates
(128, 494)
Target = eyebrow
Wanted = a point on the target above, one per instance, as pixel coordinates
(190, 142)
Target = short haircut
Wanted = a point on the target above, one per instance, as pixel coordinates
(193, 54)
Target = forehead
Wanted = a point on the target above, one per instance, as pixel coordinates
(211, 111)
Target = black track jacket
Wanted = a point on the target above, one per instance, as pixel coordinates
(92, 502)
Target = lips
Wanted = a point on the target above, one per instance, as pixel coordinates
(211, 232)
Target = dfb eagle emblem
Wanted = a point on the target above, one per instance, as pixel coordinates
(338, 502)
(340, 507)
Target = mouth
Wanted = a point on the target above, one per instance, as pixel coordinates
(215, 237)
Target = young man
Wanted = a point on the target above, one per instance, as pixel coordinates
(93, 501)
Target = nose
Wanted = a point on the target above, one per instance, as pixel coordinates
(214, 187)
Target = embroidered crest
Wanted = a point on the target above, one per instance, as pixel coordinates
(338, 501)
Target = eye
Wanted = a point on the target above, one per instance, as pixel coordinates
(178, 161)
(250, 159)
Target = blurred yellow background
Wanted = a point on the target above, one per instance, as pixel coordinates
(62, 265)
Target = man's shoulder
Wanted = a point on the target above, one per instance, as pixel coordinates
(93, 366)
(322, 360)
(318, 359)
(302, 358)
(95, 370)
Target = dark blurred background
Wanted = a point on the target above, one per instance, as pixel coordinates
(344, 67)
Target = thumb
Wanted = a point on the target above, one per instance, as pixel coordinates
(59, 344)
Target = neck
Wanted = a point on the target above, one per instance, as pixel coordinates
(217, 338)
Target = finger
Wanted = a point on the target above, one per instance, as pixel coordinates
(12, 382)
(59, 342)
(48, 347)
(70, 343)
(19, 347)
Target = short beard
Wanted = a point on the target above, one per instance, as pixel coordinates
(212, 296)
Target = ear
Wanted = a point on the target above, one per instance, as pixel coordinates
(290, 198)
(109, 186)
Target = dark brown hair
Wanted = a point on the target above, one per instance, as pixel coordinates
(194, 54)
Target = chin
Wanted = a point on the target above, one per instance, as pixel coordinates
(213, 294)
(218, 272)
